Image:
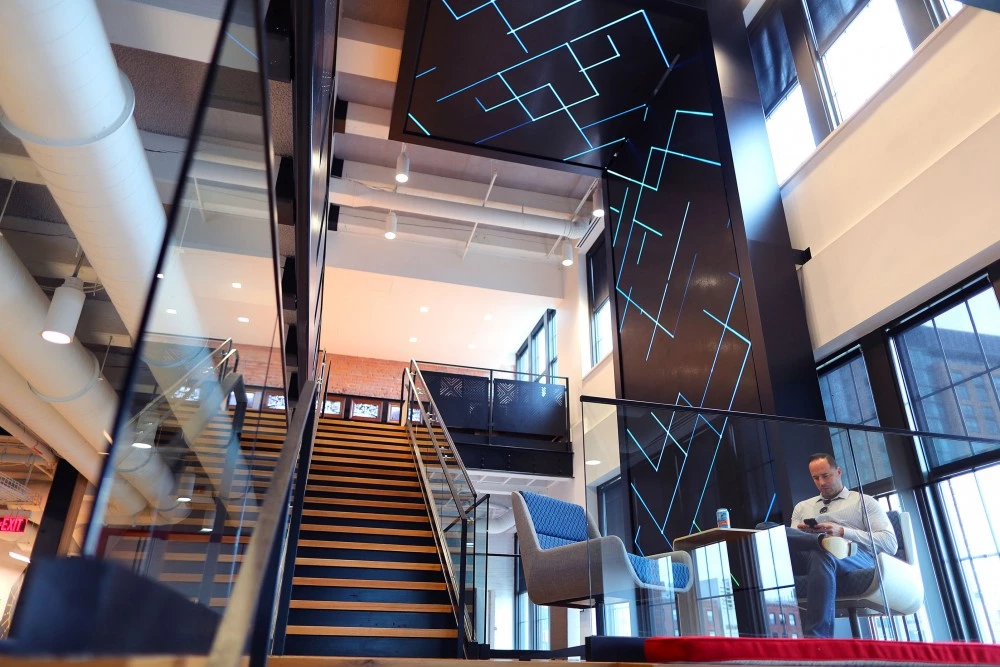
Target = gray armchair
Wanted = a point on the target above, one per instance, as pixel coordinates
(568, 564)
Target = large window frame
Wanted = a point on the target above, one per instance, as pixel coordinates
(599, 303)
(537, 358)
(922, 488)
(812, 75)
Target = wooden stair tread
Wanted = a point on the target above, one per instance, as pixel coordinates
(369, 583)
(357, 502)
(367, 471)
(365, 530)
(369, 564)
(361, 491)
(336, 605)
(371, 516)
(368, 546)
(354, 480)
(401, 633)
(374, 461)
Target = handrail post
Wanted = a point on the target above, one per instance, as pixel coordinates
(461, 590)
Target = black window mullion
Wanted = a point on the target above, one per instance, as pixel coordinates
(808, 69)
(918, 20)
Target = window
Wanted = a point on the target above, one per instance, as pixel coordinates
(970, 502)
(952, 7)
(950, 366)
(791, 621)
(599, 298)
(847, 398)
(865, 55)
(789, 133)
(536, 359)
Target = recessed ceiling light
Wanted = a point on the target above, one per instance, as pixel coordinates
(237, 285)
(424, 309)
(142, 445)
(244, 320)
(171, 311)
(17, 555)
(488, 316)
(159, 275)
(593, 462)
(413, 339)
(206, 530)
(183, 499)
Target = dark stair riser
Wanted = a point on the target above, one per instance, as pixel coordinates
(414, 510)
(371, 619)
(418, 540)
(403, 595)
(373, 522)
(368, 574)
(367, 554)
(389, 647)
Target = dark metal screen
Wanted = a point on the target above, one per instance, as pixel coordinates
(462, 400)
(529, 407)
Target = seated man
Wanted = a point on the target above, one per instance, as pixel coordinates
(849, 529)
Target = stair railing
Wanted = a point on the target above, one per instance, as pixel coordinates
(459, 515)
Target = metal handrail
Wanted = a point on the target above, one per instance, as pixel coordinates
(234, 629)
(458, 583)
(494, 370)
(444, 429)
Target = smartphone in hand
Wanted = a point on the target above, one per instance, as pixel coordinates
(810, 522)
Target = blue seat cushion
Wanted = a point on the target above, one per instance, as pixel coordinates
(556, 518)
(648, 571)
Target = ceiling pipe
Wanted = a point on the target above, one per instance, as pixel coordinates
(17, 429)
(49, 425)
(68, 378)
(61, 93)
(344, 192)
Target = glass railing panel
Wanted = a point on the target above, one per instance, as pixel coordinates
(657, 477)
(189, 466)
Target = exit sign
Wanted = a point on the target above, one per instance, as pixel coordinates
(13, 524)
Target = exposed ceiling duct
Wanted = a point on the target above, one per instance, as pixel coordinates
(68, 378)
(46, 423)
(39, 449)
(344, 192)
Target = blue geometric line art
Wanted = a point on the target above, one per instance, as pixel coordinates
(422, 128)
(650, 512)
(562, 106)
(428, 71)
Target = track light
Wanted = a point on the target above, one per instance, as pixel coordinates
(598, 201)
(567, 254)
(391, 225)
(185, 487)
(64, 312)
(403, 166)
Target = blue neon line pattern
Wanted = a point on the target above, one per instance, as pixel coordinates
(677, 281)
(565, 107)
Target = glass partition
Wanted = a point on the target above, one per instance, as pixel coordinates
(701, 537)
(188, 467)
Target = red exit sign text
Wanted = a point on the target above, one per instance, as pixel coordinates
(13, 524)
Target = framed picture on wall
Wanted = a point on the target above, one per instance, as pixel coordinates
(274, 400)
(335, 406)
(393, 411)
(366, 409)
(254, 396)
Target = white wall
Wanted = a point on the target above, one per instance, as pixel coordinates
(901, 201)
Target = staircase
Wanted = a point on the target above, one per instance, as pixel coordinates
(368, 580)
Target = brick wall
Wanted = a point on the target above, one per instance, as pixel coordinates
(363, 376)
(259, 366)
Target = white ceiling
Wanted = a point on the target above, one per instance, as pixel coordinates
(374, 315)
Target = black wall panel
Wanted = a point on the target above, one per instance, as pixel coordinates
(682, 321)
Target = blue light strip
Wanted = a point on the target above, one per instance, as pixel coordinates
(606, 60)
(625, 18)
(591, 150)
(545, 16)
(635, 541)
(648, 511)
(669, 434)
(692, 157)
(471, 11)
(677, 247)
(621, 113)
(769, 508)
(680, 309)
(509, 129)
(728, 328)
(620, 214)
(509, 27)
(516, 97)
(625, 312)
(628, 297)
(418, 124)
(641, 246)
(718, 348)
(241, 45)
(425, 72)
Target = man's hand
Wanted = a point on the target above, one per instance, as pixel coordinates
(830, 529)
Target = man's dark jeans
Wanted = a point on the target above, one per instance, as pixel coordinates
(821, 570)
